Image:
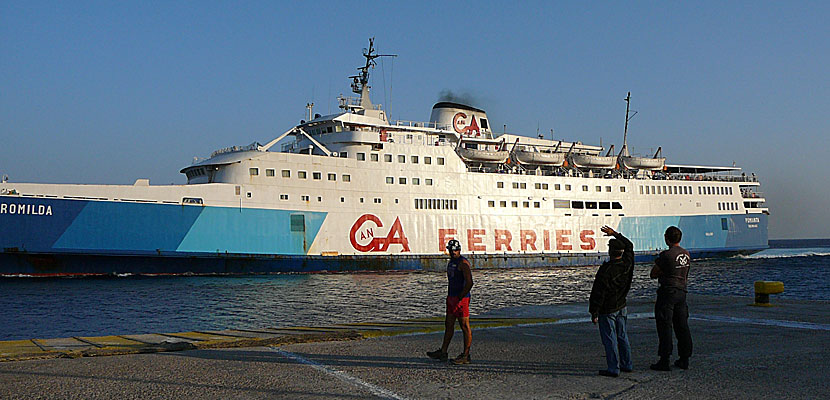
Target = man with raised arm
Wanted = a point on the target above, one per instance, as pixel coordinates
(608, 302)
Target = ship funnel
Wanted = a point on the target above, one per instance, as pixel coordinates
(462, 119)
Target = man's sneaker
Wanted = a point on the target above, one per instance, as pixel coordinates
(682, 363)
(626, 369)
(461, 359)
(438, 355)
(662, 365)
(605, 372)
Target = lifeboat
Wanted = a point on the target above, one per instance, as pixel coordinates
(489, 156)
(645, 163)
(539, 158)
(592, 161)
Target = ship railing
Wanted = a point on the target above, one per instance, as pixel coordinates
(751, 194)
(420, 124)
(698, 177)
(352, 102)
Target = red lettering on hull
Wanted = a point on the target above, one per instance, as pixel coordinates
(503, 238)
(528, 239)
(588, 242)
(474, 240)
(444, 236)
(395, 235)
(563, 239)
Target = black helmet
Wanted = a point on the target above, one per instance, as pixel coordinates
(453, 245)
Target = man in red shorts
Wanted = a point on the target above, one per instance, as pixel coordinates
(460, 282)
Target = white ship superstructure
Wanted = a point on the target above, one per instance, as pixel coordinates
(356, 191)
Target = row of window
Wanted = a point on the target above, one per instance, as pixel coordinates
(286, 173)
(590, 205)
(402, 181)
(192, 173)
(307, 198)
(728, 206)
(514, 204)
(557, 186)
(436, 204)
(375, 157)
(707, 190)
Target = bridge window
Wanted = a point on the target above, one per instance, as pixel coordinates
(616, 205)
(604, 205)
(577, 204)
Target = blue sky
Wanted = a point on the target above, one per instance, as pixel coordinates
(107, 92)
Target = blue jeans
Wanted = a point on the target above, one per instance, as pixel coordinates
(615, 340)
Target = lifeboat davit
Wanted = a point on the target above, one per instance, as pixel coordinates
(539, 158)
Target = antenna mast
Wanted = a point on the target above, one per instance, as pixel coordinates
(624, 151)
(360, 82)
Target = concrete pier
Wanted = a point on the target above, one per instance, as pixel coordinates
(740, 351)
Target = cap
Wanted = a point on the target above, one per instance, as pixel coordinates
(454, 245)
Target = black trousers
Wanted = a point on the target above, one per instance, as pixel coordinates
(671, 311)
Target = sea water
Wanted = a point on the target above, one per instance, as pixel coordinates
(63, 307)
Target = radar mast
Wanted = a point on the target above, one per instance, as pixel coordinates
(360, 82)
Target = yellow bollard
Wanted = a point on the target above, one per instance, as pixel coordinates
(765, 288)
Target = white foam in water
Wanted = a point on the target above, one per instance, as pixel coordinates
(787, 253)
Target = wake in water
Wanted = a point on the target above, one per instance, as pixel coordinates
(787, 253)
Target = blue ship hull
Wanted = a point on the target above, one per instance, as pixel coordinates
(54, 237)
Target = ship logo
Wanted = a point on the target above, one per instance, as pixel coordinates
(459, 123)
(366, 237)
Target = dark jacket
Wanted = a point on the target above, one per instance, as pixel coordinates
(613, 281)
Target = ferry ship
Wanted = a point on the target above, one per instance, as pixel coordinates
(356, 191)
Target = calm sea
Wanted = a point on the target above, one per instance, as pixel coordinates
(62, 307)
